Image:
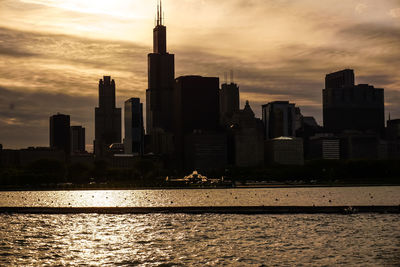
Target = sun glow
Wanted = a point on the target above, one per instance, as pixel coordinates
(117, 8)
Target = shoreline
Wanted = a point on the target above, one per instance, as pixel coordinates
(206, 209)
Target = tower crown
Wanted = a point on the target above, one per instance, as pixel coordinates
(160, 33)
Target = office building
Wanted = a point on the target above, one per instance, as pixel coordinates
(60, 132)
(285, 151)
(196, 108)
(279, 119)
(347, 106)
(228, 102)
(323, 146)
(78, 143)
(196, 103)
(205, 151)
(161, 74)
(134, 129)
(245, 139)
(107, 118)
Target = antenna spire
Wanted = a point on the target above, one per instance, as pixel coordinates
(158, 13)
(161, 13)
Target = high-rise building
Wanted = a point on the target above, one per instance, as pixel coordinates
(134, 131)
(107, 118)
(347, 106)
(279, 119)
(59, 132)
(340, 79)
(77, 139)
(245, 139)
(196, 106)
(196, 103)
(161, 73)
(228, 101)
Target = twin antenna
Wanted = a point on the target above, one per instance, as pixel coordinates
(226, 76)
(160, 14)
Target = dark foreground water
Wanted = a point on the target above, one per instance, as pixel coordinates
(200, 240)
(176, 239)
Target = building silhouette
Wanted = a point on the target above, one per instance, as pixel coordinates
(159, 95)
(60, 132)
(279, 119)
(78, 142)
(393, 130)
(228, 101)
(196, 110)
(134, 129)
(347, 106)
(245, 138)
(107, 118)
(196, 103)
(393, 138)
(284, 150)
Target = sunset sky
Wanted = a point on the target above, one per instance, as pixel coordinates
(52, 53)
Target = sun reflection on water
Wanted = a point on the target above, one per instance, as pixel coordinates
(201, 197)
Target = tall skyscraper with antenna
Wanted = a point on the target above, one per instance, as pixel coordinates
(161, 74)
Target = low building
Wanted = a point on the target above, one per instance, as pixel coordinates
(122, 161)
(205, 151)
(358, 145)
(84, 158)
(284, 150)
(9, 157)
(31, 154)
(324, 146)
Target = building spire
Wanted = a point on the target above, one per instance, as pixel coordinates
(159, 19)
(161, 13)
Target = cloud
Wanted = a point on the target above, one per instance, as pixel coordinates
(279, 50)
(395, 13)
(361, 8)
(24, 116)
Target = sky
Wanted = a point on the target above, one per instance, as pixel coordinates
(53, 53)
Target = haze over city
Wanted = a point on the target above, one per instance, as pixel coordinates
(52, 53)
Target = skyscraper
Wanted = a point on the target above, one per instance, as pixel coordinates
(107, 118)
(279, 119)
(196, 117)
(59, 132)
(196, 103)
(228, 101)
(161, 73)
(77, 139)
(347, 106)
(134, 131)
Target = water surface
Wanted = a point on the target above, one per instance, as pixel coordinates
(318, 196)
(200, 240)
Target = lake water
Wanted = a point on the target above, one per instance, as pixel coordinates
(318, 196)
(200, 240)
(369, 239)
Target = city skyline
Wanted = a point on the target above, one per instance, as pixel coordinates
(49, 69)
